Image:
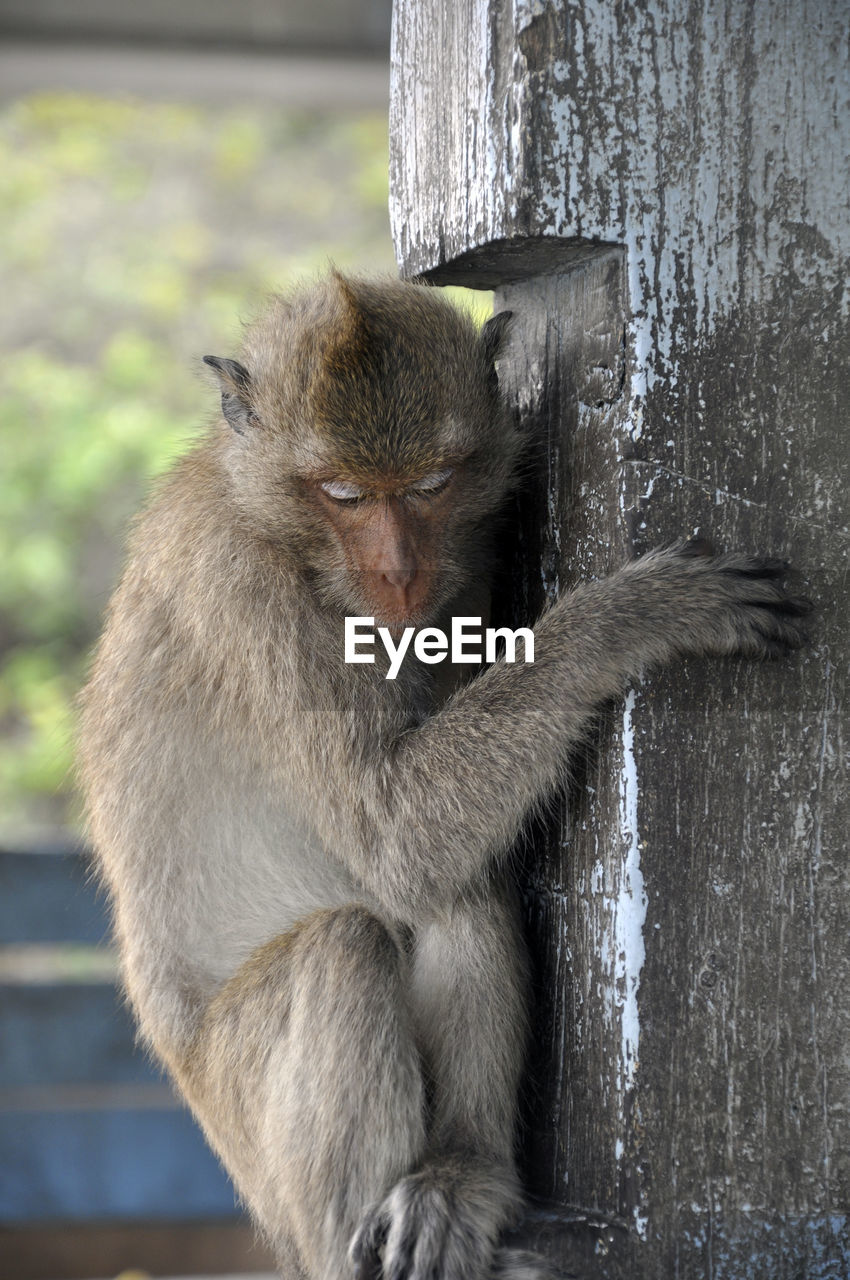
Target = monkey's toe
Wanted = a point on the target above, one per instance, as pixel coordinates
(367, 1246)
(422, 1231)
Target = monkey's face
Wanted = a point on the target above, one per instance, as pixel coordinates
(369, 443)
(393, 540)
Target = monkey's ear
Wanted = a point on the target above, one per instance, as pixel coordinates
(494, 333)
(236, 388)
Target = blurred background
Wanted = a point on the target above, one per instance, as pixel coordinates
(139, 228)
(162, 168)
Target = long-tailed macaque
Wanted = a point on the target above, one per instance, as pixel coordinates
(308, 861)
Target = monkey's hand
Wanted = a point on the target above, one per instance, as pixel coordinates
(728, 603)
(439, 1224)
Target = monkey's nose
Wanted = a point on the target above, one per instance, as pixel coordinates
(400, 578)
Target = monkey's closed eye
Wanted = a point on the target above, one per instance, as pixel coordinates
(341, 491)
(434, 483)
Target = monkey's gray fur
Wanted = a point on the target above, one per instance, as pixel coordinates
(317, 929)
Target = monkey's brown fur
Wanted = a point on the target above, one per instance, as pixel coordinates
(317, 931)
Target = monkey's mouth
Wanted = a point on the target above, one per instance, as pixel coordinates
(396, 622)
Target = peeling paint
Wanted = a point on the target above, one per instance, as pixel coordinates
(554, 156)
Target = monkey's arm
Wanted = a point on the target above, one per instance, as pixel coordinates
(437, 805)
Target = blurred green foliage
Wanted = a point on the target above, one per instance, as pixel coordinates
(136, 236)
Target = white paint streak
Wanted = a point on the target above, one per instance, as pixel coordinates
(629, 908)
(618, 889)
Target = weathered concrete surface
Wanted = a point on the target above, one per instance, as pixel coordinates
(708, 138)
(691, 1084)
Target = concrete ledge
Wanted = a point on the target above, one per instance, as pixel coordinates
(62, 1252)
(342, 25)
(289, 79)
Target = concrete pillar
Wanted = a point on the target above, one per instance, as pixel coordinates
(661, 194)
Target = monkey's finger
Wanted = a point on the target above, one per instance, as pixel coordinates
(775, 631)
(756, 588)
(791, 606)
(757, 567)
(779, 604)
(696, 547)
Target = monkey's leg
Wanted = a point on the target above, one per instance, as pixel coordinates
(468, 1001)
(308, 1080)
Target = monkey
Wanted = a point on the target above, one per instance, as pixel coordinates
(309, 863)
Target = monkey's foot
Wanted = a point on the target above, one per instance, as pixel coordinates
(439, 1224)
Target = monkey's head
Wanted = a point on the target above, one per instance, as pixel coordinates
(364, 436)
